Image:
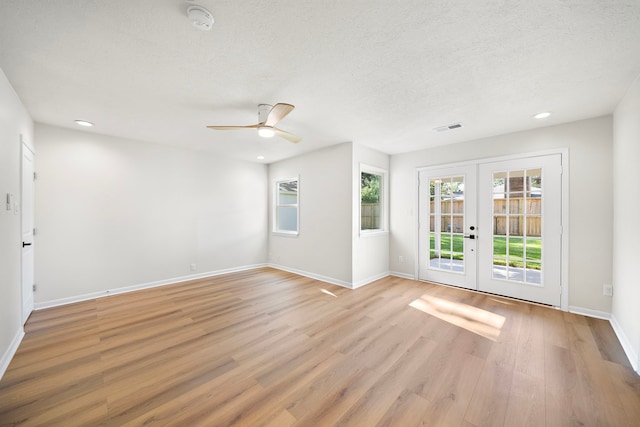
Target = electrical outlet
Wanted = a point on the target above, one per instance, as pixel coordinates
(607, 290)
(193, 267)
(400, 258)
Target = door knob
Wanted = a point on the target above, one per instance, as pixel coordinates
(25, 244)
(469, 236)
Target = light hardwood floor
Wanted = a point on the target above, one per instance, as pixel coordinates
(265, 347)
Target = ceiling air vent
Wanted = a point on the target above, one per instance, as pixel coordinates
(448, 127)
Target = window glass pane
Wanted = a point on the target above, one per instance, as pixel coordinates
(516, 181)
(534, 249)
(445, 187)
(516, 205)
(534, 182)
(499, 183)
(499, 225)
(447, 223)
(288, 193)
(457, 223)
(286, 206)
(517, 230)
(445, 205)
(516, 247)
(371, 185)
(534, 206)
(287, 218)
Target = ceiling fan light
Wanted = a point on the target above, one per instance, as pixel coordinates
(266, 131)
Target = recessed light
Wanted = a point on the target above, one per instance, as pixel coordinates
(84, 123)
(445, 128)
(260, 157)
(542, 115)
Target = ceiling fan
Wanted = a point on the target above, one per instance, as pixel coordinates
(268, 116)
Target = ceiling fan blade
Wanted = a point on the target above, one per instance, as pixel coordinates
(277, 113)
(234, 127)
(288, 136)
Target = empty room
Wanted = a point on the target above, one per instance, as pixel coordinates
(305, 213)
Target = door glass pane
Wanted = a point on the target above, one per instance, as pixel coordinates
(517, 240)
(446, 223)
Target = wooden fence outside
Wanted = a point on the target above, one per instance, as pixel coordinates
(517, 208)
(370, 216)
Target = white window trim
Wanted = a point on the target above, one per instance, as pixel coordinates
(275, 229)
(384, 173)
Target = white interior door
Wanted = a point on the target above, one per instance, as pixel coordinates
(27, 231)
(448, 226)
(521, 216)
(494, 227)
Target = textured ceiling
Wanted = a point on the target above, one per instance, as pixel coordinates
(378, 73)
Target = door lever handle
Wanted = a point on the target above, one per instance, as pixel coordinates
(469, 236)
(25, 244)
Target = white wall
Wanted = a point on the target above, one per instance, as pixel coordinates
(626, 233)
(590, 202)
(14, 121)
(114, 213)
(370, 251)
(323, 247)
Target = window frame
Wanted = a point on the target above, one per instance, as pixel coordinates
(276, 205)
(384, 206)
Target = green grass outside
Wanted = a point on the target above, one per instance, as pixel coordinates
(454, 250)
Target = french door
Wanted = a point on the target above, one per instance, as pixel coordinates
(494, 227)
(447, 226)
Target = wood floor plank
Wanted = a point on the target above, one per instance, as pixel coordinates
(270, 348)
(530, 352)
(407, 410)
(447, 381)
(526, 405)
(488, 406)
(373, 405)
(335, 404)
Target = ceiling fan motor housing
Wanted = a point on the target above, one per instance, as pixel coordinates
(263, 112)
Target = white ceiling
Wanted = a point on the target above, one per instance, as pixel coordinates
(377, 72)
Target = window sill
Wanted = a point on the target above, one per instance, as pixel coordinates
(373, 233)
(286, 233)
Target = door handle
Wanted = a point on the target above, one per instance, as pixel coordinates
(25, 244)
(469, 236)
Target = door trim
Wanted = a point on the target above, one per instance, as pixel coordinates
(25, 311)
(564, 243)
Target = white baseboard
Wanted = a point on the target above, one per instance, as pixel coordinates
(626, 344)
(368, 280)
(589, 312)
(402, 275)
(11, 351)
(100, 294)
(313, 276)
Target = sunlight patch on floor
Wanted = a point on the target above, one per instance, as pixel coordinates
(473, 319)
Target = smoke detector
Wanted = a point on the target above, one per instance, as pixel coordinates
(200, 17)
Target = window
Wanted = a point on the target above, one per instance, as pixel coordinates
(372, 203)
(286, 206)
